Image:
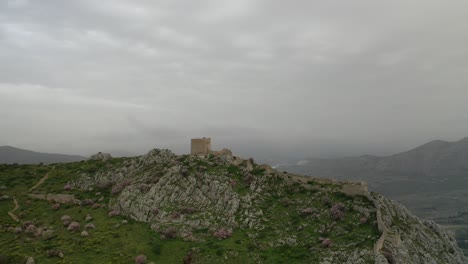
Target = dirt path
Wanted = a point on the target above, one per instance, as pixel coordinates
(10, 213)
(42, 180)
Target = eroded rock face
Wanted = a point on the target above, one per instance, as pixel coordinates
(412, 240)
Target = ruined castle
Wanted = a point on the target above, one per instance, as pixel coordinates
(201, 146)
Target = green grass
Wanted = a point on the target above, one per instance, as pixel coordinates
(114, 242)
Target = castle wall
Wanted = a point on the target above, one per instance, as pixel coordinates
(200, 146)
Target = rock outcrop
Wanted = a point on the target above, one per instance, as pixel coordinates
(191, 197)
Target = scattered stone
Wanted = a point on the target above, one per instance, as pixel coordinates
(30, 229)
(18, 230)
(124, 222)
(30, 261)
(84, 233)
(66, 218)
(74, 226)
(90, 226)
(4, 197)
(88, 218)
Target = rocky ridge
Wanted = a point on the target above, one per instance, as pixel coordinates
(192, 196)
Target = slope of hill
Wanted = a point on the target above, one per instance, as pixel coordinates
(165, 208)
(432, 180)
(10, 155)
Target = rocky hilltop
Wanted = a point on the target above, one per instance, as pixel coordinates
(216, 209)
(431, 180)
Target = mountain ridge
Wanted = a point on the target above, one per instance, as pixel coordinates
(10, 155)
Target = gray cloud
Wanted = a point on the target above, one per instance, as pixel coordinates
(265, 78)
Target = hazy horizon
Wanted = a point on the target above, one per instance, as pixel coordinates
(267, 79)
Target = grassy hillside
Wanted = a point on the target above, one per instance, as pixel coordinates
(119, 239)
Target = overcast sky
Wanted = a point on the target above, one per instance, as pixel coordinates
(268, 78)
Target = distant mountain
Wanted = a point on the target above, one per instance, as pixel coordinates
(430, 162)
(432, 179)
(10, 155)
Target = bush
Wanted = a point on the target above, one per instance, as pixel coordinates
(389, 256)
(249, 179)
(233, 183)
(222, 233)
(326, 243)
(337, 211)
(170, 232)
(54, 253)
(114, 213)
(189, 258)
(188, 210)
(140, 259)
(120, 186)
(56, 206)
(67, 187)
(326, 201)
(307, 211)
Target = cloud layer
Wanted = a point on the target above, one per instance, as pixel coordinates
(265, 78)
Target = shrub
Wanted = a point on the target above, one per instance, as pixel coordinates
(73, 226)
(120, 186)
(222, 233)
(174, 215)
(189, 258)
(326, 201)
(56, 206)
(326, 243)
(170, 232)
(54, 253)
(140, 259)
(337, 211)
(87, 202)
(233, 183)
(114, 213)
(389, 256)
(307, 211)
(188, 210)
(155, 210)
(67, 187)
(249, 179)
(363, 220)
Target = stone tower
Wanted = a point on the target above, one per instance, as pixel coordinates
(201, 146)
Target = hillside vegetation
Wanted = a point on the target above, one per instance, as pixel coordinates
(164, 208)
